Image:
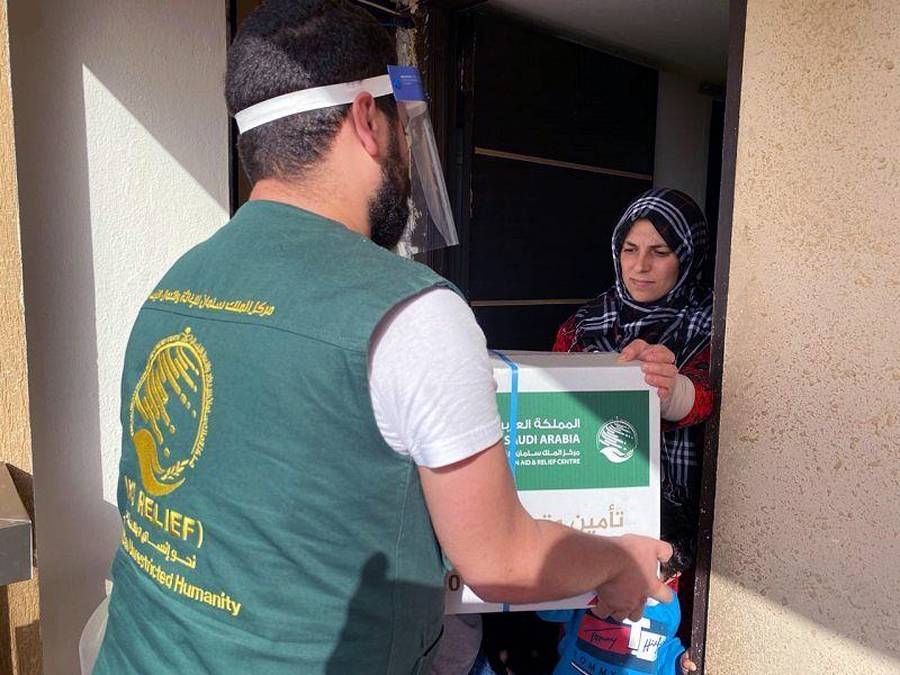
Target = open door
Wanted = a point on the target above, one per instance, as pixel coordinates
(550, 159)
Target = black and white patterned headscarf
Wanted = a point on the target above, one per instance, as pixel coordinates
(682, 319)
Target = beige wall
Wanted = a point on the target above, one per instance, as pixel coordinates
(122, 147)
(20, 643)
(806, 561)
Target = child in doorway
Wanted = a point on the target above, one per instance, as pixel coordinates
(592, 645)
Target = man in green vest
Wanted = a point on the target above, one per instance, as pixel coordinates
(309, 420)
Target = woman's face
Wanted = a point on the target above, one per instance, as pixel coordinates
(649, 266)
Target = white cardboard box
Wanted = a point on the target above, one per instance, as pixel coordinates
(586, 452)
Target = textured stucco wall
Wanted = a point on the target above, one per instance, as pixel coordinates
(806, 552)
(122, 148)
(683, 116)
(20, 646)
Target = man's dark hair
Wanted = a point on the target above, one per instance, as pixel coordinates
(288, 45)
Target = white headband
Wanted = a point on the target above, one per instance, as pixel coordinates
(305, 100)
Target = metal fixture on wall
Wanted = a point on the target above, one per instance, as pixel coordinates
(15, 533)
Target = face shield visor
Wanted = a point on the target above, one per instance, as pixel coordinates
(430, 223)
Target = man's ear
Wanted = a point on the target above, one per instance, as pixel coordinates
(367, 123)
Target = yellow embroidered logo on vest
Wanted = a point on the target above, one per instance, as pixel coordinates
(172, 401)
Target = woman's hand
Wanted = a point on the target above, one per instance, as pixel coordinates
(687, 666)
(657, 364)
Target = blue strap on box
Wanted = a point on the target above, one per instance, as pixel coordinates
(513, 408)
(513, 416)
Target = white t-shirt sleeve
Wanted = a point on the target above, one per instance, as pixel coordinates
(430, 380)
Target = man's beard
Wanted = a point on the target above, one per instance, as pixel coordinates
(389, 208)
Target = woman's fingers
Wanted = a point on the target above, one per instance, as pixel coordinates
(659, 381)
(657, 354)
(660, 375)
(663, 385)
(640, 350)
(662, 369)
(633, 350)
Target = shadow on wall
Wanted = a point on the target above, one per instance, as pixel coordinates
(165, 47)
(28, 649)
(73, 524)
(20, 646)
(102, 217)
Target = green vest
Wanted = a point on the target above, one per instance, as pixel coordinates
(268, 528)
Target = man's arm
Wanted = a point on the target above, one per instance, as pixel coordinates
(434, 399)
(505, 555)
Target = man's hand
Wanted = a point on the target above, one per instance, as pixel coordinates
(626, 593)
(507, 556)
(658, 365)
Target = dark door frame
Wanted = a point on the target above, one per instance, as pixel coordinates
(700, 626)
(445, 79)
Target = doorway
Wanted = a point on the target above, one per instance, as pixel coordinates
(549, 130)
(548, 127)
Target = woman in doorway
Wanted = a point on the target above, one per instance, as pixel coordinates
(658, 249)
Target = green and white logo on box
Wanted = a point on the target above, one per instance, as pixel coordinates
(580, 440)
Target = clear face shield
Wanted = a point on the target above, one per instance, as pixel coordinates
(431, 224)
